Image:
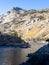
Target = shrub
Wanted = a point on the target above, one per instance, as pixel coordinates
(41, 17)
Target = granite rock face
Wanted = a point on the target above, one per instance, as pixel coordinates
(30, 25)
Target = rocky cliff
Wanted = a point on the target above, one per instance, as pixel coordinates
(30, 25)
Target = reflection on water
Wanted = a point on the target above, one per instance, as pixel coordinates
(15, 56)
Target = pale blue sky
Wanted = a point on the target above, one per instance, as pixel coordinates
(6, 5)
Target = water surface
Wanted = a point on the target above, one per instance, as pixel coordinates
(16, 56)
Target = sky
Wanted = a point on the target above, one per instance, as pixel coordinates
(6, 5)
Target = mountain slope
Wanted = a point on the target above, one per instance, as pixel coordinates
(28, 24)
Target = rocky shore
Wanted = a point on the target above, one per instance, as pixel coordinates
(40, 57)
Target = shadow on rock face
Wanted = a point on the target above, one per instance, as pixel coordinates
(40, 57)
(12, 40)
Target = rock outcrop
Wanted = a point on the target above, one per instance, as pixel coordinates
(40, 57)
(28, 24)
